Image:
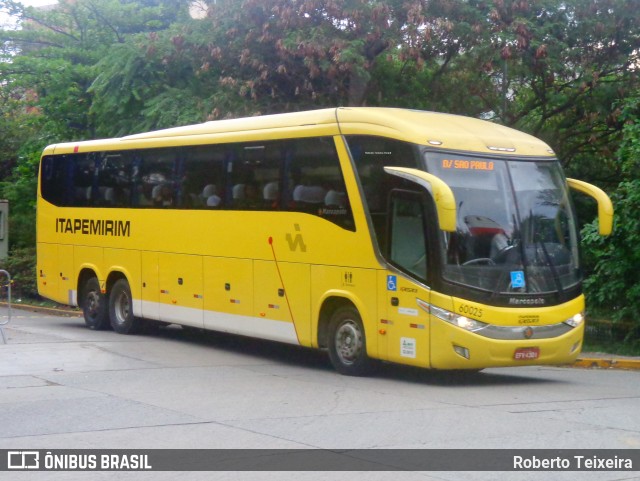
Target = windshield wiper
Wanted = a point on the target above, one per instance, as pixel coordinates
(552, 267)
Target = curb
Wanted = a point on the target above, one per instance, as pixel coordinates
(44, 310)
(612, 363)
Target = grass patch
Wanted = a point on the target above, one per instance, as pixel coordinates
(611, 338)
(620, 348)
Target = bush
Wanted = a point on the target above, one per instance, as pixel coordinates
(613, 285)
(21, 265)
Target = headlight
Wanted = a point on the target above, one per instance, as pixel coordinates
(466, 323)
(452, 318)
(576, 320)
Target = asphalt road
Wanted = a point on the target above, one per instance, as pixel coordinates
(64, 386)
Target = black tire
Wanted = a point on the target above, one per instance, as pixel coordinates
(95, 305)
(348, 344)
(121, 309)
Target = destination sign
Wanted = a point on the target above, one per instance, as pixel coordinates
(461, 164)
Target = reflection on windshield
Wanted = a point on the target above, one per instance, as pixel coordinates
(515, 225)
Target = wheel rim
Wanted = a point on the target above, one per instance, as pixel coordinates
(349, 341)
(121, 308)
(92, 304)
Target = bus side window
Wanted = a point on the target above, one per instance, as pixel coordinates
(67, 179)
(84, 168)
(202, 183)
(53, 179)
(256, 176)
(111, 179)
(158, 183)
(315, 183)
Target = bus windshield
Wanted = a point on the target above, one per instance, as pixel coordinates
(515, 228)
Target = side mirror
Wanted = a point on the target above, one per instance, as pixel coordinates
(605, 207)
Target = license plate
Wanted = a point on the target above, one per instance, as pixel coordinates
(526, 353)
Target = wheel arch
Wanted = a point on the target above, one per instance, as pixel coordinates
(86, 273)
(113, 277)
(331, 302)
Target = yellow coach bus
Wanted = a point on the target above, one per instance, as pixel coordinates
(412, 237)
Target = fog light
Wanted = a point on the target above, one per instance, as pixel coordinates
(574, 347)
(461, 351)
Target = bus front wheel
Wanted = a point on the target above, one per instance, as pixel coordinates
(121, 309)
(347, 343)
(94, 305)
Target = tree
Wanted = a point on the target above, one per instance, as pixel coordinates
(46, 69)
(251, 57)
(566, 65)
(53, 54)
(613, 286)
(557, 70)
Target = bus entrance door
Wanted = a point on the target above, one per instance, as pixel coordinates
(406, 324)
(404, 329)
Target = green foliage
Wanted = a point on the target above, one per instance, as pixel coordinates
(53, 56)
(173, 107)
(19, 188)
(613, 287)
(16, 128)
(22, 267)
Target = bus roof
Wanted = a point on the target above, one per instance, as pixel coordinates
(438, 130)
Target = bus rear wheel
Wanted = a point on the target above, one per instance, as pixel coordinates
(347, 343)
(94, 303)
(121, 309)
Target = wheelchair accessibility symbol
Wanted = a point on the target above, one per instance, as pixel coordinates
(392, 283)
(517, 279)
